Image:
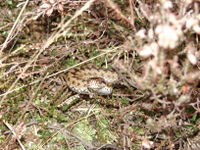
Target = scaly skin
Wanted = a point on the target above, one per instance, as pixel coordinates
(91, 80)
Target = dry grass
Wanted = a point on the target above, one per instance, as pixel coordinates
(153, 45)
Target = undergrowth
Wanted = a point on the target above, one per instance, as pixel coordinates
(152, 45)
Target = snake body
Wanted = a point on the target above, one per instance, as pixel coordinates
(91, 80)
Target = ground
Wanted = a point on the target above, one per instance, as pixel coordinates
(152, 45)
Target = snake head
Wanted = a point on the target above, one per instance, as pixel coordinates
(99, 86)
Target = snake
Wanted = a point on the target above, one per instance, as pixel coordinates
(90, 79)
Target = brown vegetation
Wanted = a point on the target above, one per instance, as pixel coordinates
(153, 46)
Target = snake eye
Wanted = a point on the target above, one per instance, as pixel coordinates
(102, 81)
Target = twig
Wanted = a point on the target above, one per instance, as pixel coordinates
(15, 135)
(85, 143)
(54, 74)
(49, 41)
(13, 28)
